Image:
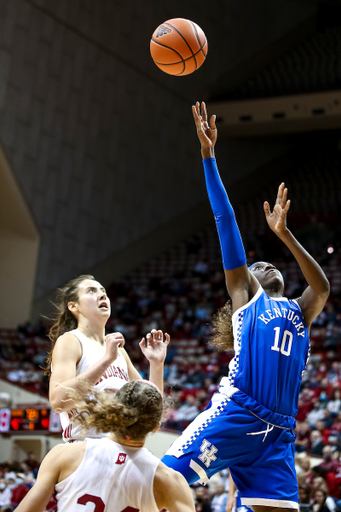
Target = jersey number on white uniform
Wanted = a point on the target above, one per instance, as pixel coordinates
(99, 504)
(286, 343)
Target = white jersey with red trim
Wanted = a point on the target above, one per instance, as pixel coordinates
(110, 478)
(115, 376)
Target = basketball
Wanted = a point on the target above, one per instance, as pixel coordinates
(178, 47)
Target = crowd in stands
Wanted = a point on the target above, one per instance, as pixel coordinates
(179, 292)
(16, 479)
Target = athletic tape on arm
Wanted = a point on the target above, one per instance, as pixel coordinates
(231, 244)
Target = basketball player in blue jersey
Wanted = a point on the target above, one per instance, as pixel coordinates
(249, 424)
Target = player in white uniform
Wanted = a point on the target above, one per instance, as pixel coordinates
(82, 352)
(115, 474)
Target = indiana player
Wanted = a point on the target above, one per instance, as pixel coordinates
(248, 426)
(116, 473)
(81, 350)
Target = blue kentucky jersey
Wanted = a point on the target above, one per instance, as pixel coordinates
(271, 344)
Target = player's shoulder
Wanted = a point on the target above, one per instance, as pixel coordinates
(69, 342)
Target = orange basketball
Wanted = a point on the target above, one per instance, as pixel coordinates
(178, 47)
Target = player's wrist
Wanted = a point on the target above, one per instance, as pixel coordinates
(207, 153)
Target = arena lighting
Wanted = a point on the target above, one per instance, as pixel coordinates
(330, 250)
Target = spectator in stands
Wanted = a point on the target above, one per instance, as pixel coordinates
(321, 427)
(196, 377)
(19, 492)
(304, 492)
(302, 439)
(329, 464)
(328, 419)
(315, 414)
(334, 405)
(305, 472)
(316, 443)
(218, 503)
(336, 426)
(201, 500)
(319, 503)
(32, 461)
(5, 495)
(188, 411)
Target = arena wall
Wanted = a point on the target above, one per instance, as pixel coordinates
(100, 141)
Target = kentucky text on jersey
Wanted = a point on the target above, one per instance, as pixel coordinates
(113, 371)
(289, 314)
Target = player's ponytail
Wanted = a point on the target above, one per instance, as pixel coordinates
(65, 320)
(132, 413)
(222, 333)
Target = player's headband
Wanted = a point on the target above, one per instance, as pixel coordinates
(253, 264)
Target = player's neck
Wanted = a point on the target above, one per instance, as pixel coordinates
(127, 442)
(94, 331)
(274, 293)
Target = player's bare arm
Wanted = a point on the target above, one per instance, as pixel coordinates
(154, 348)
(66, 355)
(171, 491)
(316, 294)
(39, 495)
(59, 463)
(241, 284)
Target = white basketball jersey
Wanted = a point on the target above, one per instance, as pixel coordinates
(115, 376)
(110, 478)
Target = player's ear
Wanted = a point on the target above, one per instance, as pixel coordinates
(156, 428)
(72, 306)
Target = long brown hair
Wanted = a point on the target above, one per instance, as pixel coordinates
(222, 332)
(133, 412)
(65, 320)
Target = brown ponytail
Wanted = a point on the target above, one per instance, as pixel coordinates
(65, 320)
(222, 333)
(132, 413)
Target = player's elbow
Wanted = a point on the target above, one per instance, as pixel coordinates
(324, 290)
(57, 403)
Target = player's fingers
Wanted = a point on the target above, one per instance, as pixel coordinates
(203, 111)
(284, 197)
(212, 122)
(167, 338)
(280, 193)
(287, 206)
(142, 342)
(266, 207)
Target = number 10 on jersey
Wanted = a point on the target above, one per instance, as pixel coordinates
(286, 342)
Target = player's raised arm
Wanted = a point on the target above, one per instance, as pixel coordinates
(316, 294)
(171, 491)
(241, 284)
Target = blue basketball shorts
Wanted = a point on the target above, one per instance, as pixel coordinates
(256, 444)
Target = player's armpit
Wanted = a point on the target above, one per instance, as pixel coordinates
(171, 490)
(38, 497)
(241, 285)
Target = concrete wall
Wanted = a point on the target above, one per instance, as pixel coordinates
(101, 141)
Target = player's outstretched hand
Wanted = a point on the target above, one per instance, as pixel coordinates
(112, 342)
(277, 220)
(155, 349)
(206, 130)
